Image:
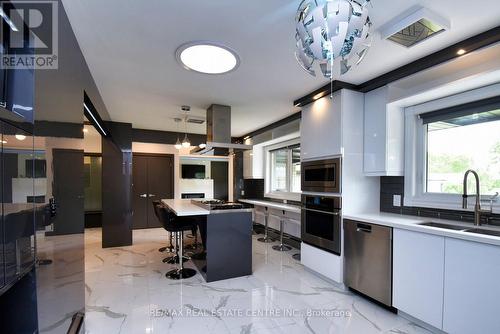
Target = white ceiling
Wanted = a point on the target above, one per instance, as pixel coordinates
(130, 48)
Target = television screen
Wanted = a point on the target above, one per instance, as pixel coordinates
(193, 171)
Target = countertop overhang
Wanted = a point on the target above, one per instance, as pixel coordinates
(271, 204)
(184, 207)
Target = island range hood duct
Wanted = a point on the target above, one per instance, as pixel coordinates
(219, 133)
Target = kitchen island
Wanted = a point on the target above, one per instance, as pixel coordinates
(226, 233)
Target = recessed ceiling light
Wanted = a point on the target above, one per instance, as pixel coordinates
(3, 141)
(20, 137)
(85, 130)
(207, 57)
(461, 52)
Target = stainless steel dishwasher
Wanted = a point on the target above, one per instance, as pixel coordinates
(368, 259)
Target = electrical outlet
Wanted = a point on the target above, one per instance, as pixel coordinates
(396, 200)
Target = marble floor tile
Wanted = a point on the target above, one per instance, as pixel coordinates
(127, 292)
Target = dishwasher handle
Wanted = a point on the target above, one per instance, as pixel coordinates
(363, 228)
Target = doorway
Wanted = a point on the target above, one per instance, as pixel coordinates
(152, 179)
(68, 190)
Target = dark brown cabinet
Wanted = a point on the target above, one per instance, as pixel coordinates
(153, 179)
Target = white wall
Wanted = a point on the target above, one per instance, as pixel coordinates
(23, 187)
(91, 140)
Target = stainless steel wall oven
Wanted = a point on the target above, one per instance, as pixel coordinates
(321, 219)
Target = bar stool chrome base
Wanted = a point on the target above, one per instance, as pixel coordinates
(180, 273)
(175, 259)
(169, 248)
(282, 248)
(265, 239)
(296, 256)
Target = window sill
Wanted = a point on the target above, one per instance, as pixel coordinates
(284, 195)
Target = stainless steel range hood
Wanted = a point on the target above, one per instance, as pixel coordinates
(219, 133)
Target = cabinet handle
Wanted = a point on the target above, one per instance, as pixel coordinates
(335, 213)
(363, 228)
(143, 195)
(152, 195)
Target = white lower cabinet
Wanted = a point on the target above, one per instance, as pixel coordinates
(471, 287)
(418, 274)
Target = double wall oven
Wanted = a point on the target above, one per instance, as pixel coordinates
(322, 204)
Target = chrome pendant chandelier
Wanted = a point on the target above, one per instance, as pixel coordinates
(335, 33)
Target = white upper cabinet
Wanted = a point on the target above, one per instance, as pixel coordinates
(321, 128)
(248, 164)
(383, 135)
(253, 163)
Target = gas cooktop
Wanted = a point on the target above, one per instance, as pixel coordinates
(217, 204)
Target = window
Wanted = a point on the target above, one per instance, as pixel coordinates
(441, 145)
(458, 144)
(284, 169)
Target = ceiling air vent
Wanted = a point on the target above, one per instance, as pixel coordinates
(195, 120)
(414, 26)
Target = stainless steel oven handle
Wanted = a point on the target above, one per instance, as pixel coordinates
(325, 212)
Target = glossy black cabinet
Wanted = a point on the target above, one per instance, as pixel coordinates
(17, 85)
(17, 220)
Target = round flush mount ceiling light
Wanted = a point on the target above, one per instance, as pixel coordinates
(20, 137)
(207, 57)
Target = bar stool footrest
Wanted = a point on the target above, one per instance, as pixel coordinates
(183, 273)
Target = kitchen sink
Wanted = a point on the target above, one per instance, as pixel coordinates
(443, 225)
(483, 231)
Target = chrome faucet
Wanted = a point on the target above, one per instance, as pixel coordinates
(477, 207)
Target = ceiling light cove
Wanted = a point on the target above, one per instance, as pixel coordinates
(207, 57)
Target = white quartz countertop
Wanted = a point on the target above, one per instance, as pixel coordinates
(270, 204)
(184, 207)
(412, 223)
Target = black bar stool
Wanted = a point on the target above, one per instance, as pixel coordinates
(282, 247)
(174, 224)
(266, 237)
(156, 206)
(194, 234)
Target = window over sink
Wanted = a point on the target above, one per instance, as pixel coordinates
(283, 170)
(443, 143)
(460, 143)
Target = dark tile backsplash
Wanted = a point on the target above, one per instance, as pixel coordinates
(394, 185)
(254, 188)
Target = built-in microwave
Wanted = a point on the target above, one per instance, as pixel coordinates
(322, 175)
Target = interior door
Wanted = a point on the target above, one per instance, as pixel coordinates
(68, 190)
(160, 184)
(153, 177)
(140, 191)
